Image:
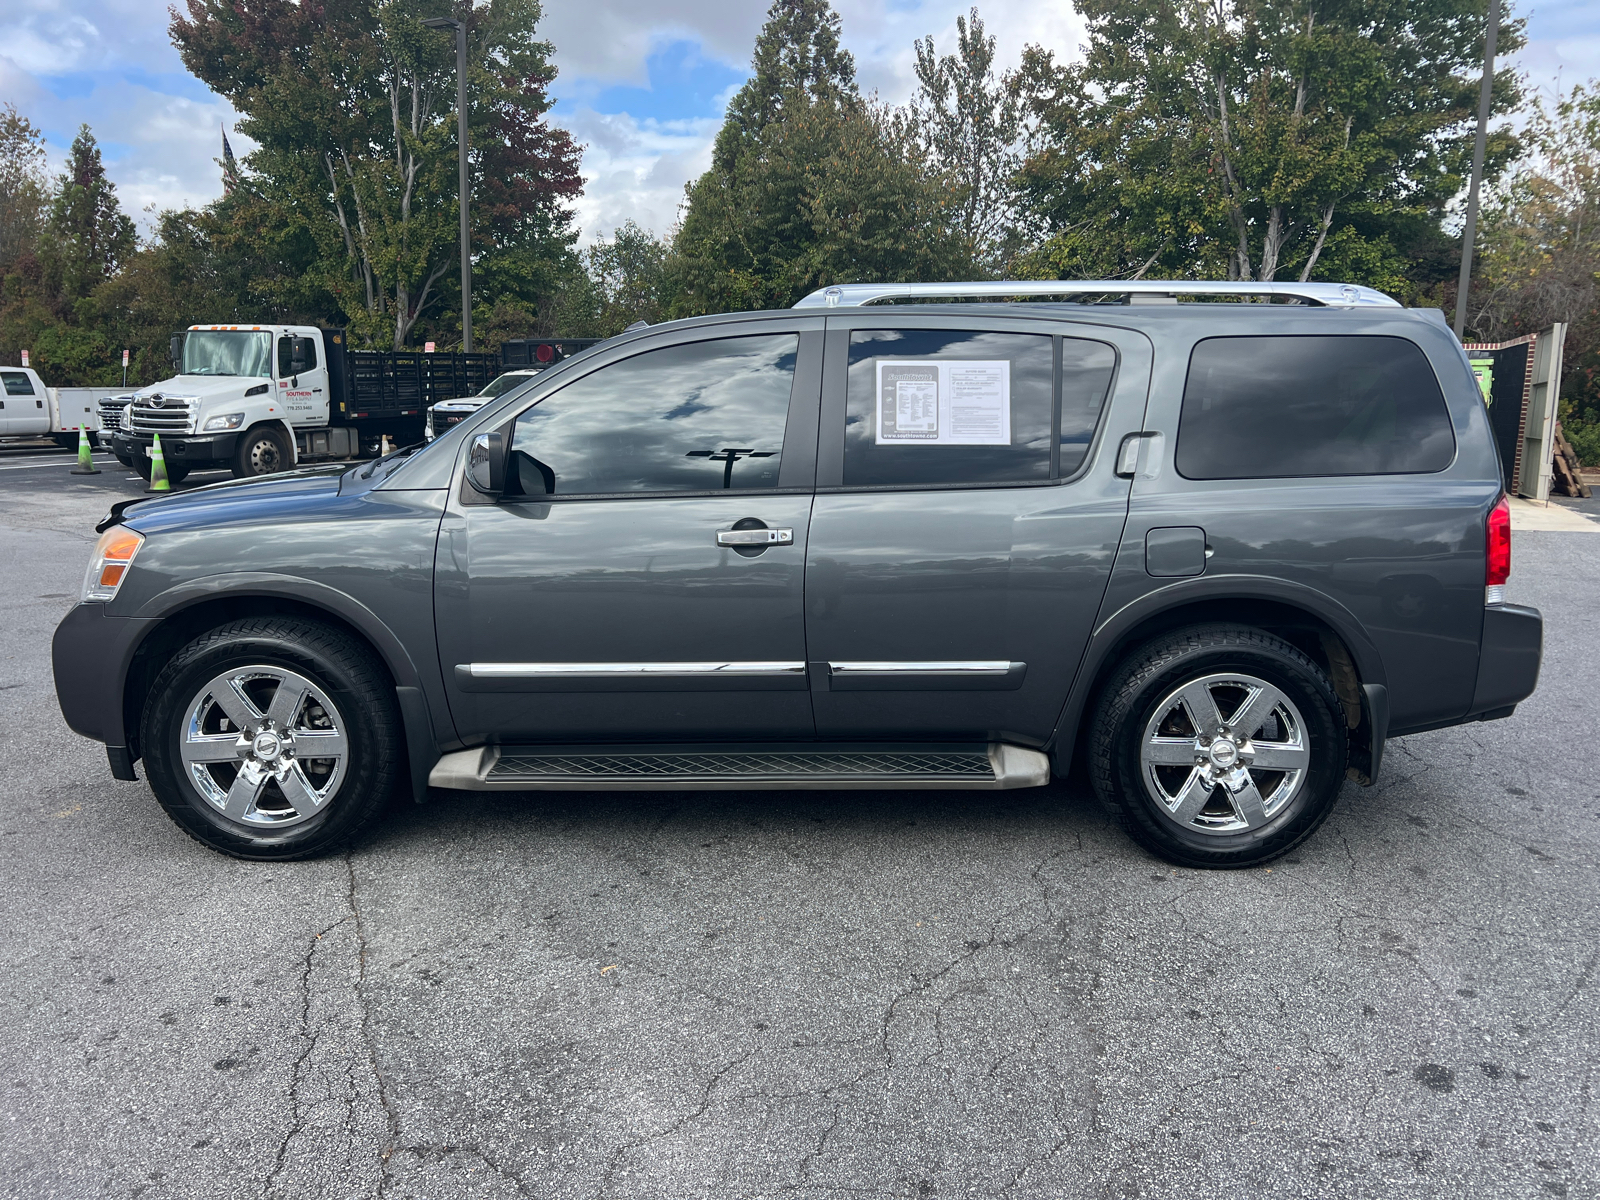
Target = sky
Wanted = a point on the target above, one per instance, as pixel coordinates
(642, 85)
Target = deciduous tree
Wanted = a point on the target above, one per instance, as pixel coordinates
(1254, 139)
(351, 104)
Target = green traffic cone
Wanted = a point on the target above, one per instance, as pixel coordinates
(158, 469)
(85, 463)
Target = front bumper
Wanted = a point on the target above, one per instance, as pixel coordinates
(1508, 660)
(197, 448)
(91, 654)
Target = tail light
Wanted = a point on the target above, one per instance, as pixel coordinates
(1497, 567)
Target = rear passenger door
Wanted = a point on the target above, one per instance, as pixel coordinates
(967, 516)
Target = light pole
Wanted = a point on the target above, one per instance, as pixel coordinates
(461, 148)
(1471, 231)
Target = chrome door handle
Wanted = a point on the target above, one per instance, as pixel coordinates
(754, 537)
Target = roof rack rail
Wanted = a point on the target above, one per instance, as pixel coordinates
(1138, 291)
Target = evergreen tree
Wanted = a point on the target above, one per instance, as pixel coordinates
(87, 235)
(809, 184)
(24, 188)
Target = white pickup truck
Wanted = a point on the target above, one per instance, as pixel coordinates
(28, 409)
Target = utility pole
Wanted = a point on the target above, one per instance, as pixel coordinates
(461, 149)
(1470, 233)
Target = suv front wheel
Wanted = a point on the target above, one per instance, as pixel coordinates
(1219, 746)
(272, 738)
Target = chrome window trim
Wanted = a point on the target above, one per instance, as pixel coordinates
(581, 670)
(986, 666)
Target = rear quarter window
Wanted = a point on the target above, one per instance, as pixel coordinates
(1288, 407)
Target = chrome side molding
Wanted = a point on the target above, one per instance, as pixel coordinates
(998, 666)
(590, 670)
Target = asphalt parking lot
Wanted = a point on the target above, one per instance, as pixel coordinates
(792, 994)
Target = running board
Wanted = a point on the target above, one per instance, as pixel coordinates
(968, 766)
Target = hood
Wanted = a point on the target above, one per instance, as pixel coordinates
(202, 387)
(242, 500)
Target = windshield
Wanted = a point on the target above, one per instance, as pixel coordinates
(227, 352)
(502, 385)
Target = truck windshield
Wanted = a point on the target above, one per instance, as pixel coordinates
(227, 352)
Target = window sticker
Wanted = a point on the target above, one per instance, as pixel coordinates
(963, 402)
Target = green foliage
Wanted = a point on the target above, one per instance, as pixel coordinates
(969, 125)
(24, 189)
(1540, 254)
(87, 236)
(1248, 139)
(352, 105)
(809, 184)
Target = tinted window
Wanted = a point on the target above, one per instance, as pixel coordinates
(17, 384)
(1278, 407)
(931, 406)
(698, 417)
(1086, 370)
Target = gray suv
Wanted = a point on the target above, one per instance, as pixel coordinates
(1221, 549)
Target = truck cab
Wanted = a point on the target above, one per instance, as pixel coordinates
(240, 396)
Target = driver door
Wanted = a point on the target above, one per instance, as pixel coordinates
(623, 589)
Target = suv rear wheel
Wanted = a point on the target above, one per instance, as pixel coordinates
(272, 738)
(1219, 746)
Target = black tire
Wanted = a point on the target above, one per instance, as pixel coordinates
(1145, 682)
(364, 708)
(176, 472)
(263, 450)
(125, 461)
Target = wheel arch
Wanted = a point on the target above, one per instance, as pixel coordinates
(194, 607)
(279, 424)
(1313, 622)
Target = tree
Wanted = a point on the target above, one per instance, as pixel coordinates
(87, 235)
(1540, 257)
(24, 188)
(352, 107)
(809, 184)
(970, 125)
(1249, 139)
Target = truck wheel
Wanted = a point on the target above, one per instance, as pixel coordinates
(1218, 746)
(272, 738)
(262, 451)
(176, 472)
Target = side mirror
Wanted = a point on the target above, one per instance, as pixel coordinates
(486, 463)
(175, 349)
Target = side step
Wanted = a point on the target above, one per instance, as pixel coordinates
(971, 766)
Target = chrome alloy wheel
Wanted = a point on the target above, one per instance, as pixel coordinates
(264, 746)
(1224, 754)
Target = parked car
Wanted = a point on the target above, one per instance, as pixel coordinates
(1222, 551)
(447, 413)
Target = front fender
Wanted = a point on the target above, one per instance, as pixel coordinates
(425, 730)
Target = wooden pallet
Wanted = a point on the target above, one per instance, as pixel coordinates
(1567, 478)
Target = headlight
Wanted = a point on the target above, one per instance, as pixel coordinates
(218, 424)
(113, 555)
